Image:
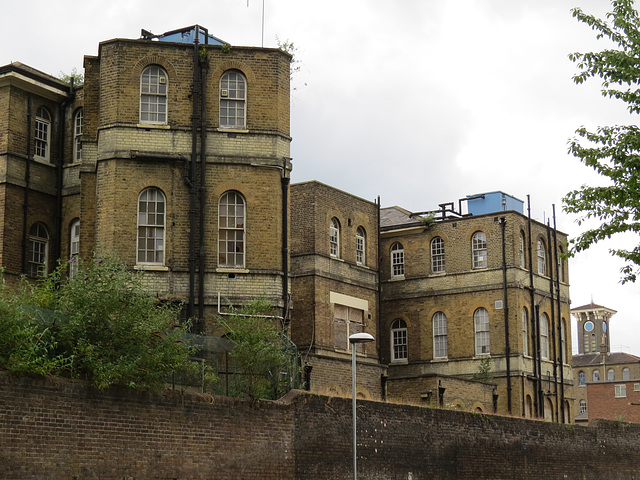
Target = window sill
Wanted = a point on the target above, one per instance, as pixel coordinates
(399, 277)
(440, 360)
(403, 361)
(232, 130)
(156, 126)
(231, 270)
(151, 268)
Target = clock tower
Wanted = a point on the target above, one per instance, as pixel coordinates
(593, 328)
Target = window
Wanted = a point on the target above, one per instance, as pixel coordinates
(583, 406)
(595, 376)
(479, 250)
(440, 335)
(347, 321)
(399, 350)
(437, 255)
(43, 130)
(334, 238)
(74, 247)
(525, 332)
(153, 95)
(481, 325)
(611, 375)
(544, 336)
(233, 97)
(397, 260)
(151, 218)
(521, 251)
(77, 135)
(563, 342)
(560, 265)
(231, 231)
(582, 379)
(620, 391)
(38, 249)
(542, 258)
(625, 373)
(360, 246)
(636, 387)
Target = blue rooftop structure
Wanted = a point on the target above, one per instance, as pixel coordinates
(493, 202)
(186, 35)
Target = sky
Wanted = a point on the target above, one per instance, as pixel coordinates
(419, 102)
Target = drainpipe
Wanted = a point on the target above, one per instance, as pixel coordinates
(534, 332)
(204, 69)
(379, 282)
(560, 325)
(553, 320)
(285, 247)
(503, 224)
(27, 181)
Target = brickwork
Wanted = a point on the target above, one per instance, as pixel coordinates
(617, 400)
(60, 429)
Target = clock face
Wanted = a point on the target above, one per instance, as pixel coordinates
(604, 326)
(588, 326)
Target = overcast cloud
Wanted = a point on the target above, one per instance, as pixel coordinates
(418, 101)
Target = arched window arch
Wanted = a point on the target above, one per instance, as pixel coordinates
(544, 336)
(440, 335)
(521, 251)
(397, 260)
(582, 379)
(74, 247)
(233, 99)
(542, 258)
(78, 125)
(38, 249)
(151, 227)
(399, 341)
(437, 255)
(153, 95)
(42, 134)
(479, 250)
(525, 331)
(482, 333)
(360, 246)
(231, 230)
(334, 238)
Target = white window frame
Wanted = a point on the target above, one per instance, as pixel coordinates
(482, 331)
(611, 375)
(397, 260)
(542, 258)
(151, 227)
(583, 406)
(232, 222)
(154, 95)
(523, 257)
(399, 341)
(361, 243)
(582, 378)
(42, 135)
(560, 265)
(440, 336)
(626, 373)
(233, 100)
(620, 391)
(334, 238)
(437, 255)
(74, 247)
(563, 341)
(78, 126)
(347, 321)
(525, 331)
(544, 337)
(38, 250)
(479, 250)
(595, 375)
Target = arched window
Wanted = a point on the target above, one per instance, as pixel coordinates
(42, 145)
(525, 331)
(231, 230)
(544, 336)
(38, 249)
(399, 347)
(153, 95)
(397, 260)
(560, 265)
(582, 379)
(611, 375)
(596, 376)
(78, 123)
(74, 247)
(151, 227)
(479, 250)
(563, 341)
(437, 255)
(626, 373)
(583, 406)
(360, 246)
(440, 335)
(482, 333)
(233, 98)
(542, 258)
(522, 255)
(334, 238)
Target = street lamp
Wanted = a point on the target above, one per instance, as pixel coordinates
(353, 339)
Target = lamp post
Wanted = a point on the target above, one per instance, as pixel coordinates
(353, 339)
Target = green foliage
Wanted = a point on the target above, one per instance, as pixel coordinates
(101, 325)
(78, 78)
(296, 64)
(613, 152)
(484, 370)
(261, 350)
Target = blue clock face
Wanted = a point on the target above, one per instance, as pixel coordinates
(588, 326)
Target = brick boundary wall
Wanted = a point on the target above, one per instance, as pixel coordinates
(60, 429)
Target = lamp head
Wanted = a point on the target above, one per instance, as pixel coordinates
(361, 338)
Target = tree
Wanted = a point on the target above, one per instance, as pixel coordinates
(78, 78)
(102, 325)
(613, 152)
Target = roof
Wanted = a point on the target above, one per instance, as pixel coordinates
(397, 217)
(34, 81)
(592, 306)
(593, 359)
(185, 35)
